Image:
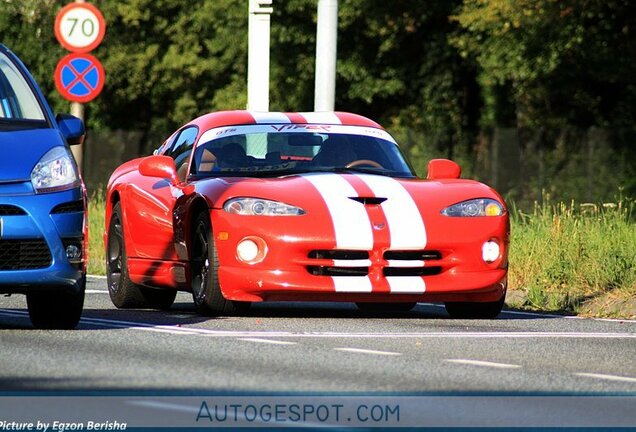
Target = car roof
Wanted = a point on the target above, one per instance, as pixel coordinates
(242, 117)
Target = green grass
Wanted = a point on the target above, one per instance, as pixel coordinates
(561, 255)
(564, 255)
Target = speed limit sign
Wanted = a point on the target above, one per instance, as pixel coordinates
(80, 27)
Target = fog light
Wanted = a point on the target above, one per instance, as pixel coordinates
(490, 251)
(73, 253)
(251, 250)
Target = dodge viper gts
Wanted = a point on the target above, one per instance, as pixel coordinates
(239, 207)
(43, 230)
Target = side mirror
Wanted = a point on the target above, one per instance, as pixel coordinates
(72, 128)
(159, 166)
(439, 169)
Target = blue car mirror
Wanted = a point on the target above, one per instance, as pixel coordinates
(72, 128)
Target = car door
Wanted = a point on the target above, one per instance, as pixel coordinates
(151, 202)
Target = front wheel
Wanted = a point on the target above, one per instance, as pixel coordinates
(123, 292)
(57, 308)
(206, 290)
(475, 310)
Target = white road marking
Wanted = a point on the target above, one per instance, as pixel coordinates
(607, 377)
(366, 351)
(178, 329)
(268, 341)
(483, 363)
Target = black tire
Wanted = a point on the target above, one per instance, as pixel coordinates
(386, 307)
(475, 310)
(206, 290)
(123, 293)
(57, 308)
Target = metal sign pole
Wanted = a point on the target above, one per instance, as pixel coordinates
(77, 109)
(326, 54)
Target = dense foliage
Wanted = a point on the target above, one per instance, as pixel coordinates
(443, 75)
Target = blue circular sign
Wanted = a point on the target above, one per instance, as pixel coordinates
(79, 77)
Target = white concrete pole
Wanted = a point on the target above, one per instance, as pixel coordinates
(258, 55)
(326, 54)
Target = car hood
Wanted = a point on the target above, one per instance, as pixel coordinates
(311, 190)
(358, 210)
(22, 150)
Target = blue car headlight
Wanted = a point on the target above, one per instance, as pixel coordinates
(260, 207)
(55, 171)
(474, 208)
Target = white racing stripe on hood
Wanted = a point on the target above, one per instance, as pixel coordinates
(350, 219)
(403, 216)
(405, 225)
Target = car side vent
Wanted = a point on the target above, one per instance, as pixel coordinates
(369, 200)
(11, 210)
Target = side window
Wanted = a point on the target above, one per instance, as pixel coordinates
(181, 149)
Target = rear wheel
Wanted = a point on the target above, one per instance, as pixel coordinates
(475, 310)
(206, 290)
(57, 308)
(386, 307)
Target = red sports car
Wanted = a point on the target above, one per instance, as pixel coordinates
(239, 207)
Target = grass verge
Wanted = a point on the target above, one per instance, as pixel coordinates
(575, 258)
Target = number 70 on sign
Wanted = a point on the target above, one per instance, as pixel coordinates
(80, 27)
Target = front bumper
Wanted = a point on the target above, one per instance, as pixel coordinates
(450, 268)
(52, 220)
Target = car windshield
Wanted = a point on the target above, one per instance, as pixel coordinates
(275, 150)
(18, 105)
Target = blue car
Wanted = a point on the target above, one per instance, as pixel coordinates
(43, 226)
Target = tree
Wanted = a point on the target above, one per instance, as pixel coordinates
(553, 62)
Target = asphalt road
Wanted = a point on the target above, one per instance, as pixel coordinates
(309, 347)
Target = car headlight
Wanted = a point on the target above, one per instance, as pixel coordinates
(55, 171)
(260, 207)
(475, 207)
